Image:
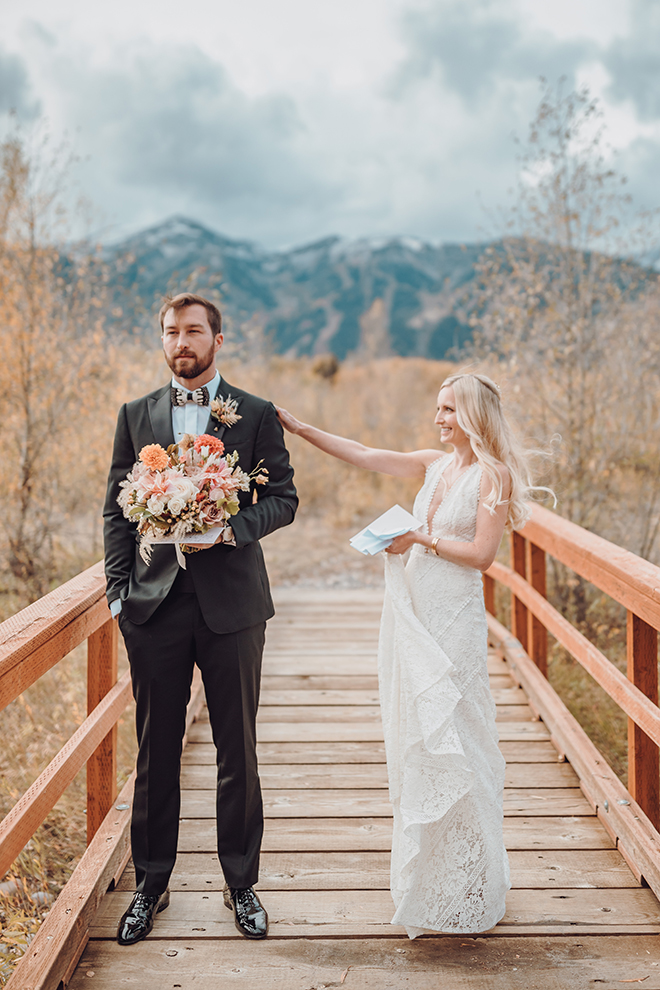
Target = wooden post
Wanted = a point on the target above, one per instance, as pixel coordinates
(643, 767)
(518, 610)
(489, 593)
(102, 764)
(537, 634)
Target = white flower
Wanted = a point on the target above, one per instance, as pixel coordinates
(177, 504)
(156, 504)
(182, 487)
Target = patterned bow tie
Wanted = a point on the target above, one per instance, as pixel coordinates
(179, 396)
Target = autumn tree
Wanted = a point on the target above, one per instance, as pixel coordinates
(572, 320)
(56, 371)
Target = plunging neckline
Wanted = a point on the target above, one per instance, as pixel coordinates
(450, 488)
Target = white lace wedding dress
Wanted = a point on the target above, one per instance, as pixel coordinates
(450, 871)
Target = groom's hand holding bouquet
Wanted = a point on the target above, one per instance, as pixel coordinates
(188, 488)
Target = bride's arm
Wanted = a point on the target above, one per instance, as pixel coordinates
(482, 551)
(401, 465)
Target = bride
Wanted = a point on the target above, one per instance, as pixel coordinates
(449, 870)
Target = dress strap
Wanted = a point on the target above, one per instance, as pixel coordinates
(438, 460)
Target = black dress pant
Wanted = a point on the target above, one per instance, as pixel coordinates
(162, 654)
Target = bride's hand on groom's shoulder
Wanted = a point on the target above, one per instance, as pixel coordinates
(288, 421)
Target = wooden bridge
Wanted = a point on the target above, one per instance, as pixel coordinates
(584, 851)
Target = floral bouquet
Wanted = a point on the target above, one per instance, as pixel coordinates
(187, 489)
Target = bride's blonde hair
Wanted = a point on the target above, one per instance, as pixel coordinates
(480, 416)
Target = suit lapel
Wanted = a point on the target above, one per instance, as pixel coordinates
(160, 414)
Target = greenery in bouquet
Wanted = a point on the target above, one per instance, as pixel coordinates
(189, 488)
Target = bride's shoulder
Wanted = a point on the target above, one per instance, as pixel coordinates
(505, 476)
(430, 458)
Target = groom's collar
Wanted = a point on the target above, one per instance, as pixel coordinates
(213, 386)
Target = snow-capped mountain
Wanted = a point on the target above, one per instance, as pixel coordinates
(398, 295)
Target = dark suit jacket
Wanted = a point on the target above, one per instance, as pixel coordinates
(231, 582)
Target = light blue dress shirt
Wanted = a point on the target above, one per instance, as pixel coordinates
(192, 418)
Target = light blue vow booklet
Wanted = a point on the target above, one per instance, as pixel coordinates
(379, 534)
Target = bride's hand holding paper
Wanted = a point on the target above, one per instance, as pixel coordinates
(400, 544)
(395, 524)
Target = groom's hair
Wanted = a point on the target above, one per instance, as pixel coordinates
(184, 299)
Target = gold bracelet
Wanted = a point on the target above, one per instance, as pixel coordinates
(434, 543)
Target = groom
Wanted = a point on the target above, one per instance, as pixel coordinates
(212, 613)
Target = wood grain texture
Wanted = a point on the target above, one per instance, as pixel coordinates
(312, 776)
(568, 962)
(292, 663)
(324, 682)
(347, 870)
(319, 713)
(22, 633)
(303, 776)
(370, 732)
(18, 671)
(518, 554)
(374, 834)
(357, 803)
(643, 762)
(102, 764)
(306, 697)
(528, 752)
(339, 752)
(537, 634)
(358, 913)
(295, 665)
(301, 732)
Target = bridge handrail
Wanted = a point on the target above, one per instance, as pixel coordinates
(628, 697)
(629, 580)
(39, 636)
(31, 643)
(621, 574)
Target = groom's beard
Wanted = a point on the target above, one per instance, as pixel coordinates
(187, 365)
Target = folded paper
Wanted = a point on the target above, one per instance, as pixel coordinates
(192, 539)
(379, 534)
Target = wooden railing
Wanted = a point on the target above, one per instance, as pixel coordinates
(31, 643)
(632, 816)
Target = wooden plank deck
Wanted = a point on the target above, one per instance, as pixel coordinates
(576, 915)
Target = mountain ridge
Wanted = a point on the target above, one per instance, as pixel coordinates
(395, 295)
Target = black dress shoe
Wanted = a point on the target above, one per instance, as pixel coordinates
(249, 913)
(137, 922)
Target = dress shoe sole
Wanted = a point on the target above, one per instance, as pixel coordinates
(133, 941)
(239, 928)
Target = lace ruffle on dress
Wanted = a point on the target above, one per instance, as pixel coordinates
(449, 871)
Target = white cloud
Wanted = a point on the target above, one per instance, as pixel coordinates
(15, 90)
(634, 59)
(476, 47)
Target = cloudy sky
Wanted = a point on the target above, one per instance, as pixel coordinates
(284, 122)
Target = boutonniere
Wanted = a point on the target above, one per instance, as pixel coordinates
(224, 410)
